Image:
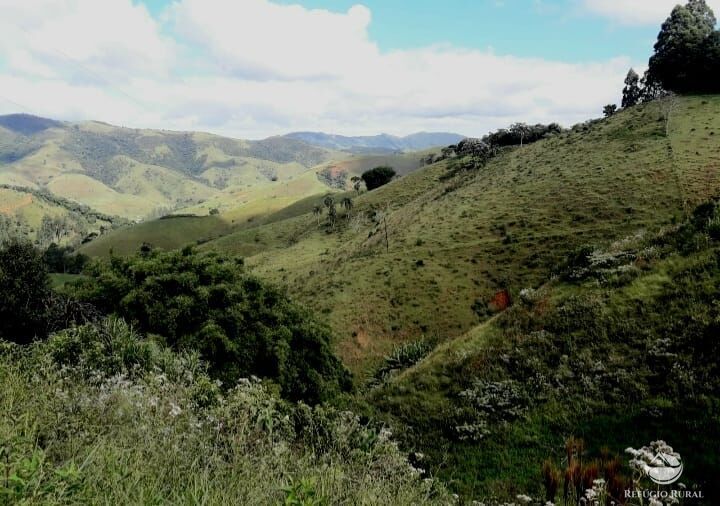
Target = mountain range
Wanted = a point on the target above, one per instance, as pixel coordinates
(413, 142)
(136, 174)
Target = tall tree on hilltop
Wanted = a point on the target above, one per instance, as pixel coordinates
(631, 92)
(679, 50)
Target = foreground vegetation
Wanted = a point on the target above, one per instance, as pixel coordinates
(96, 413)
(618, 351)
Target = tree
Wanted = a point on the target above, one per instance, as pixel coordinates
(631, 92)
(680, 48)
(24, 288)
(317, 211)
(609, 110)
(347, 203)
(52, 229)
(329, 202)
(377, 177)
(651, 88)
(239, 325)
(520, 130)
(357, 183)
(711, 63)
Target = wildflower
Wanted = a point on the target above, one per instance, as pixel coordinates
(174, 409)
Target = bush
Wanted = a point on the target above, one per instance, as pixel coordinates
(24, 288)
(239, 325)
(62, 259)
(152, 428)
(377, 177)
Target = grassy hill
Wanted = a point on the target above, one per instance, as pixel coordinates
(597, 356)
(453, 243)
(456, 239)
(28, 212)
(139, 173)
(243, 207)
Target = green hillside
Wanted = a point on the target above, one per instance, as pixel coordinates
(44, 217)
(412, 317)
(143, 173)
(453, 243)
(617, 352)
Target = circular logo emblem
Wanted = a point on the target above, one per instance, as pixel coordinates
(665, 468)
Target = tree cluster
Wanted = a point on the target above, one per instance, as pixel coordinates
(377, 177)
(686, 57)
(239, 325)
(687, 51)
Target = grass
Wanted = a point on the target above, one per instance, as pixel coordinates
(59, 280)
(670, 298)
(452, 243)
(97, 414)
(167, 233)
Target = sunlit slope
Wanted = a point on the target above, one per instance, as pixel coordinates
(139, 173)
(22, 211)
(453, 243)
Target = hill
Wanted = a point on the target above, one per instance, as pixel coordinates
(382, 142)
(594, 354)
(491, 311)
(44, 218)
(456, 241)
(489, 396)
(139, 173)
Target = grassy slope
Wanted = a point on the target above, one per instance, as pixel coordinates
(26, 211)
(133, 173)
(166, 233)
(423, 397)
(506, 227)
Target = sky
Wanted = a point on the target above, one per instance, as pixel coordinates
(256, 68)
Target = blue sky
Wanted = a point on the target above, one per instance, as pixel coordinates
(255, 68)
(557, 29)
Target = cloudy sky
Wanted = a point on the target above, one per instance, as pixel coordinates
(255, 68)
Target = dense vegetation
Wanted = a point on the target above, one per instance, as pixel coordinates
(239, 325)
(98, 414)
(377, 177)
(686, 57)
(687, 52)
(623, 350)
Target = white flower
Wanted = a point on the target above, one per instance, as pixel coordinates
(174, 409)
(523, 498)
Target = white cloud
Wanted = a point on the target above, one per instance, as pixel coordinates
(252, 68)
(638, 12)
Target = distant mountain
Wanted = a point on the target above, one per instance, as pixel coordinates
(136, 173)
(381, 143)
(27, 124)
(141, 173)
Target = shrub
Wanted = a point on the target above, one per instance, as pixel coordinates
(239, 325)
(24, 288)
(153, 429)
(377, 177)
(402, 357)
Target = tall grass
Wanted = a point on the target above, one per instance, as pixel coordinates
(97, 415)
